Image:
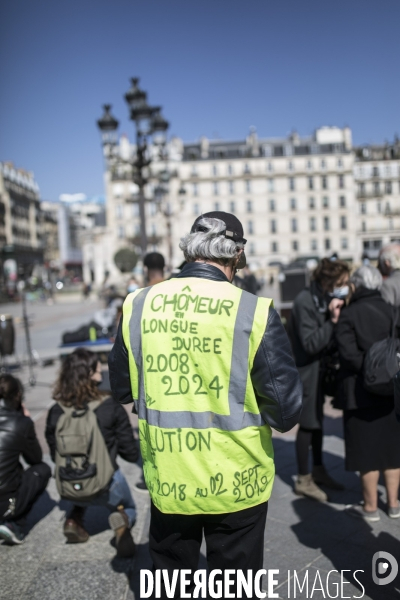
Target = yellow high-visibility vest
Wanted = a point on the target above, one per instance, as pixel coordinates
(191, 345)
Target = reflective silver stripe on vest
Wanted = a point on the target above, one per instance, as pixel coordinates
(135, 335)
(238, 418)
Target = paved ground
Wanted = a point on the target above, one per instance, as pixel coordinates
(310, 538)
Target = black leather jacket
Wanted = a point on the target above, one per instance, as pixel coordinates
(17, 436)
(274, 375)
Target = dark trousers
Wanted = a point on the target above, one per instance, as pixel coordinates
(233, 540)
(33, 483)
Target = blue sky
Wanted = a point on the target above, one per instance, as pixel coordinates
(217, 67)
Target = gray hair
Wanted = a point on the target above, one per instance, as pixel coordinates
(368, 277)
(390, 254)
(209, 244)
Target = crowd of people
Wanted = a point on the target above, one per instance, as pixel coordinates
(334, 324)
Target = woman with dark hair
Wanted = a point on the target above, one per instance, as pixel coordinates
(315, 313)
(76, 386)
(19, 489)
(371, 431)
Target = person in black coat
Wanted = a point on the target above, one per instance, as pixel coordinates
(372, 433)
(19, 488)
(315, 312)
(77, 383)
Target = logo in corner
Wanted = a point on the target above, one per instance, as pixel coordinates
(384, 568)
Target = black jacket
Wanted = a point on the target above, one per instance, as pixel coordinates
(17, 436)
(274, 375)
(311, 333)
(366, 320)
(114, 425)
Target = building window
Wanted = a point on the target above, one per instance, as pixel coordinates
(250, 228)
(388, 187)
(231, 187)
(361, 189)
(196, 209)
(309, 165)
(377, 188)
(230, 170)
(214, 171)
(119, 211)
(247, 185)
(295, 245)
(363, 226)
(249, 206)
(326, 223)
(215, 188)
(290, 166)
(311, 183)
(274, 247)
(294, 225)
(135, 209)
(343, 222)
(314, 245)
(246, 168)
(363, 208)
(323, 164)
(194, 171)
(325, 202)
(391, 226)
(272, 205)
(313, 224)
(291, 184)
(121, 232)
(311, 203)
(342, 201)
(344, 243)
(324, 182)
(195, 189)
(232, 206)
(270, 168)
(387, 208)
(216, 206)
(252, 249)
(378, 207)
(153, 208)
(375, 172)
(341, 181)
(273, 226)
(270, 185)
(327, 244)
(340, 163)
(293, 203)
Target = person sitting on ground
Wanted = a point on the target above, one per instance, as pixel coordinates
(77, 385)
(19, 488)
(389, 266)
(155, 265)
(371, 431)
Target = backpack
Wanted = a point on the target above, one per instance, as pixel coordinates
(83, 464)
(381, 363)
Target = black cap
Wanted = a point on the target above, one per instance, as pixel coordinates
(154, 260)
(234, 228)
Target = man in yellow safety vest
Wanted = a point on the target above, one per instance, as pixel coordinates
(210, 371)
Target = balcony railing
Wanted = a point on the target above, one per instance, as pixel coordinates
(370, 194)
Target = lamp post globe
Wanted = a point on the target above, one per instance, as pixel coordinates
(149, 122)
(108, 126)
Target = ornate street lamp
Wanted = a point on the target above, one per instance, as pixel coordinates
(149, 122)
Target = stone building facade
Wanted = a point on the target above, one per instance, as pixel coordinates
(377, 179)
(297, 197)
(21, 232)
